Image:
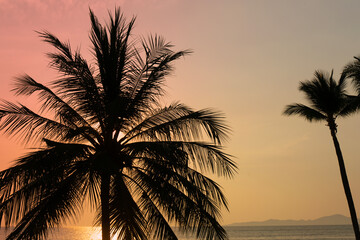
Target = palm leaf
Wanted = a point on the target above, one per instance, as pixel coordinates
(351, 105)
(352, 70)
(26, 85)
(157, 223)
(126, 217)
(191, 217)
(64, 200)
(180, 122)
(308, 113)
(78, 85)
(205, 156)
(23, 122)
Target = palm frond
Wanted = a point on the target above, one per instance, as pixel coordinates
(26, 85)
(42, 189)
(342, 81)
(52, 162)
(193, 183)
(63, 47)
(127, 221)
(111, 48)
(155, 46)
(86, 97)
(191, 216)
(157, 223)
(178, 122)
(308, 113)
(148, 86)
(62, 201)
(206, 157)
(122, 50)
(77, 85)
(18, 120)
(351, 105)
(352, 70)
(146, 74)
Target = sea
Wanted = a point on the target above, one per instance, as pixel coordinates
(333, 232)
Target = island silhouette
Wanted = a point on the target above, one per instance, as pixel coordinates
(336, 219)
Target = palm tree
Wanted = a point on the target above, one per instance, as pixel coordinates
(328, 101)
(141, 166)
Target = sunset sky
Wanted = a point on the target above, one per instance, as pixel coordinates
(248, 58)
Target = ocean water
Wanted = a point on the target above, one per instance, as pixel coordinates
(333, 232)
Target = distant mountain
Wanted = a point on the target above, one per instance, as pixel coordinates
(336, 219)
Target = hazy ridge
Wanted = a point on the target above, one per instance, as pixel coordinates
(336, 219)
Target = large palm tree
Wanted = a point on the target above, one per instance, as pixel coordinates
(328, 101)
(105, 139)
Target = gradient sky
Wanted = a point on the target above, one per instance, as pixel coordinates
(249, 56)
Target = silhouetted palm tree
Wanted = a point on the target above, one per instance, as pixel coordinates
(328, 101)
(139, 165)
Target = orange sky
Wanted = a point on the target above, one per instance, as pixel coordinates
(249, 56)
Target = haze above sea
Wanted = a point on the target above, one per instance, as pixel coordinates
(320, 232)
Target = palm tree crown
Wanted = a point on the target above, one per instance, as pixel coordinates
(328, 99)
(141, 166)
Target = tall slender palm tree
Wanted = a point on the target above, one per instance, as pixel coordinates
(328, 101)
(141, 166)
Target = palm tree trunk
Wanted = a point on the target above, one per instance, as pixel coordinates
(346, 185)
(105, 211)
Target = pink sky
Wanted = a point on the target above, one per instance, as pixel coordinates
(249, 56)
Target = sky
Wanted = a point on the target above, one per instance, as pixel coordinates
(248, 59)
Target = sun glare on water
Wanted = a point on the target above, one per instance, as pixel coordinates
(96, 234)
(77, 233)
